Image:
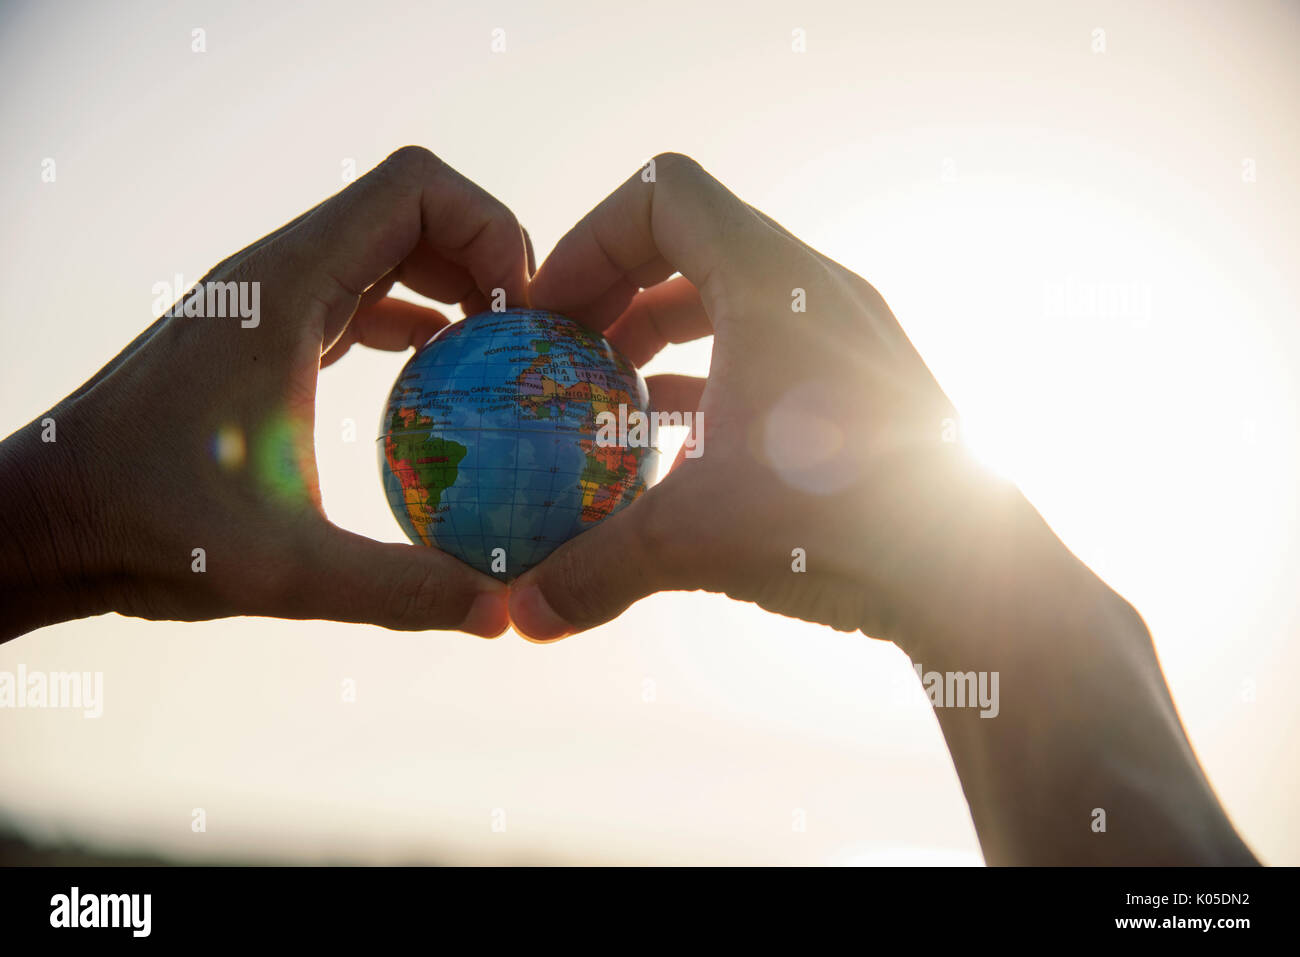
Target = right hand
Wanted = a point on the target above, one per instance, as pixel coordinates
(822, 430)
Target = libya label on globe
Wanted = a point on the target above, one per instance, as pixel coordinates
(491, 446)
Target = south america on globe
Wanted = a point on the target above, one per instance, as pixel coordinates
(491, 448)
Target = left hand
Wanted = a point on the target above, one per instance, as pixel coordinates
(200, 434)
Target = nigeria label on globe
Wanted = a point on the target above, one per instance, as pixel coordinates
(491, 448)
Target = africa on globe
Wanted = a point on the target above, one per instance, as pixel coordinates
(490, 447)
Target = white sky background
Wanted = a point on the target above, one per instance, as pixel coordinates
(966, 162)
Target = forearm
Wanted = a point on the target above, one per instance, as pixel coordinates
(46, 539)
(1086, 761)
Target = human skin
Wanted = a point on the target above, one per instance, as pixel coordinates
(107, 516)
(825, 432)
(824, 435)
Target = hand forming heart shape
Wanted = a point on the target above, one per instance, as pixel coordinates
(827, 490)
(180, 482)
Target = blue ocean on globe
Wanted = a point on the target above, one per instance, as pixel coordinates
(490, 447)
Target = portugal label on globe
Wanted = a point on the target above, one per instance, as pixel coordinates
(490, 449)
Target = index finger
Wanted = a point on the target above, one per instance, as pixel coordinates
(680, 219)
(355, 238)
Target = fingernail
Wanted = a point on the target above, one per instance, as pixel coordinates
(488, 617)
(533, 616)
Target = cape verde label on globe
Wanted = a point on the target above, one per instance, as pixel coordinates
(489, 447)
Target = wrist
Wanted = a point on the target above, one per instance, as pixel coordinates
(1082, 720)
(983, 570)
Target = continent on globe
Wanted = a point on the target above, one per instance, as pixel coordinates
(490, 447)
(422, 463)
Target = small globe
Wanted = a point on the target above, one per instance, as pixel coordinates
(490, 446)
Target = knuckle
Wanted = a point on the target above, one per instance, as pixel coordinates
(674, 164)
(572, 581)
(413, 162)
(415, 599)
(506, 217)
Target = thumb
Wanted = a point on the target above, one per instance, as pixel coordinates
(349, 577)
(593, 578)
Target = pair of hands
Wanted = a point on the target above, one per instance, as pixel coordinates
(826, 490)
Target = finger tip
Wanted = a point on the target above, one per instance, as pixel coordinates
(539, 641)
(533, 617)
(488, 616)
(539, 293)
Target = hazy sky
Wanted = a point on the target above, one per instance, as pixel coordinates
(1091, 237)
